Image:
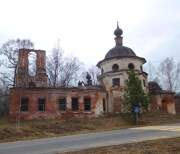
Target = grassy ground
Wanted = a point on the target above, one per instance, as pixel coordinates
(50, 128)
(162, 146)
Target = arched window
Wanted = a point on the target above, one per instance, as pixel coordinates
(131, 66)
(141, 68)
(144, 83)
(102, 70)
(115, 67)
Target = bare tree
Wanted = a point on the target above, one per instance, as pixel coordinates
(94, 72)
(169, 73)
(9, 58)
(54, 66)
(62, 71)
(152, 72)
(69, 73)
(3, 101)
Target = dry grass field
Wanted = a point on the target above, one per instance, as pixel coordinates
(162, 146)
(51, 128)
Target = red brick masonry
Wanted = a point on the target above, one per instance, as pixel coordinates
(51, 95)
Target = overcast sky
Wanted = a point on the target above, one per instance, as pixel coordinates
(85, 27)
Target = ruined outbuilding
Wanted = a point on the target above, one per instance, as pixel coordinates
(31, 98)
(161, 99)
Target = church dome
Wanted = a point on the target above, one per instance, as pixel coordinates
(154, 86)
(118, 31)
(120, 51)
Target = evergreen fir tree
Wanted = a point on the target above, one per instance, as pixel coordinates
(134, 94)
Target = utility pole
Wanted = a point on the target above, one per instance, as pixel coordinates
(18, 120)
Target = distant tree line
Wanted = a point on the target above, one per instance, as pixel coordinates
(166, 74)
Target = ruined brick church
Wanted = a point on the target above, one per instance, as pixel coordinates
(32, 98)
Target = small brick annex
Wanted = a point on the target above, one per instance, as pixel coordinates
(161, 99)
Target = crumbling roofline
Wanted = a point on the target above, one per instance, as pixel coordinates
(30, 50)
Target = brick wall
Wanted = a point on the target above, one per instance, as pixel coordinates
(51, 96)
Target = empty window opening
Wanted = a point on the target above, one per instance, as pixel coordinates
(144, 83)
(62, 104)
(41, 104)
(102, 70)
(24, 104)
(116, 82)
(75, 104)
(131, 66)
(115, 67)
(32, 84)
(104, 105)
(87, 104)
(32, 63)
(141, 68)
